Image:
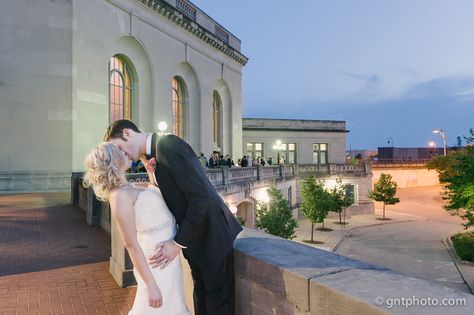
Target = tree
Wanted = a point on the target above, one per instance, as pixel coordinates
(384, 191)
(276, 217)
(316, 202)
(341, 199)
(456, 173)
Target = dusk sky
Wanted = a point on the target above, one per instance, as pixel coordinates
(391, 69)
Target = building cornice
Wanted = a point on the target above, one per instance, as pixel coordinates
(293, 129)
(298, 125)
(173, 15)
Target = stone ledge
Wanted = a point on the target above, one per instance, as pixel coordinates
(34, 181)
(274, 275)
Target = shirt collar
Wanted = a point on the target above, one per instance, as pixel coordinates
(148, 144)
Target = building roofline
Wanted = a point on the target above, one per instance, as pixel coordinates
(189, 24)
(210, 17)
(299, 125)
(306, 120)
(295, 129)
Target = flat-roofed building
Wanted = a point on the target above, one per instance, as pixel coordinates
(295, 141)
(316, 147)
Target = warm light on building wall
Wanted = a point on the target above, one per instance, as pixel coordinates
(262, 196)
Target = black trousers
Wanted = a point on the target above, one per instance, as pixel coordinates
(214, 287)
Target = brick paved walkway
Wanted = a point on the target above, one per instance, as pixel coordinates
(52, 262)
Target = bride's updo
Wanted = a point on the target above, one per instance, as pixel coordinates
(103, 169)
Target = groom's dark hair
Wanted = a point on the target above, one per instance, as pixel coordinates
(115, 130)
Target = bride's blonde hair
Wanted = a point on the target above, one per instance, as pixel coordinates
(103, 174)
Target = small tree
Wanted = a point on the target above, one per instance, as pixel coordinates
(456, 173)
(276, 217)
(316, 202)
(384, 191)
(341, 198)
(308, 207)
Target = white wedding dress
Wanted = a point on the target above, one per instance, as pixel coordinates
(155, 223)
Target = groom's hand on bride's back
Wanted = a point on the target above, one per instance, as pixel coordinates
(166, 252)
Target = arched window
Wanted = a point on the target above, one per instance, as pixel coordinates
(179, 107)
(217, 119)
(120, 89)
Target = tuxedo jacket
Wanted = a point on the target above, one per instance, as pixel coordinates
(206, 226)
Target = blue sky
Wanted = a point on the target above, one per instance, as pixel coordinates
(389, 68)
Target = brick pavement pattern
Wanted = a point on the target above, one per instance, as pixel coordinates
(52, 262)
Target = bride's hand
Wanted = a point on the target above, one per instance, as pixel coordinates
(154, 296)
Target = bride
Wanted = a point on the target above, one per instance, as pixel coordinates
(143, 220)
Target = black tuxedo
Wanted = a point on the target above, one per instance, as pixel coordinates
(206, 226)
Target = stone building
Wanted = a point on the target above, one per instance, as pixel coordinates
(316, 147)
(295, 141)
(69, 68)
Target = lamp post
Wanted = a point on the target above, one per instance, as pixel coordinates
(162, 126)
(277, 146)
(442, 133)
(390, 140)
(432, 144)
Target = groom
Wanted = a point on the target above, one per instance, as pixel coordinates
(207, 228)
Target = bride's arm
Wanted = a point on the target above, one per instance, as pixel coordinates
(122, 208)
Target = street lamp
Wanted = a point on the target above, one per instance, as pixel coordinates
(442, 133)
(432, 144)
(277, 146)
(162, 126)
(390, 140)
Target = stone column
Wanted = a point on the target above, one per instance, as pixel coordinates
(121, 266)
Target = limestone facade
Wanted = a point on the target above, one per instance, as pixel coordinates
(54, 80)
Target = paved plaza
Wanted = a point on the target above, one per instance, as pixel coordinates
(52, 262)
(410, 243)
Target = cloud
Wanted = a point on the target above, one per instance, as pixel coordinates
(371, 84)
(459, 88)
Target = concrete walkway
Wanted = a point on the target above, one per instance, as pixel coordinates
(410, 243)
(52, 262)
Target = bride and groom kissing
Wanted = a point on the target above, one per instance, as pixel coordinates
(184, 213)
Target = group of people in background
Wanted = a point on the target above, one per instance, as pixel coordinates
(215, 160)
(218, 160)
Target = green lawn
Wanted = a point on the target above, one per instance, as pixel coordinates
(464, 245)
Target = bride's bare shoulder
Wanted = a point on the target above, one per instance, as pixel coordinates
(123, 196)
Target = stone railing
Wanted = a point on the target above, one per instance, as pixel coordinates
(389, 163)
(199, 17)
(226, 176)
(221, 34)
(97, 213)
(216, 176)
(277, 276)
(186, 9)
(270, 172)
(243, 174)
(333, 169)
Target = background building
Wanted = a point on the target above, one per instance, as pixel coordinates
(69, 68)
(317, 147)
(392, 154)
(302, 141)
